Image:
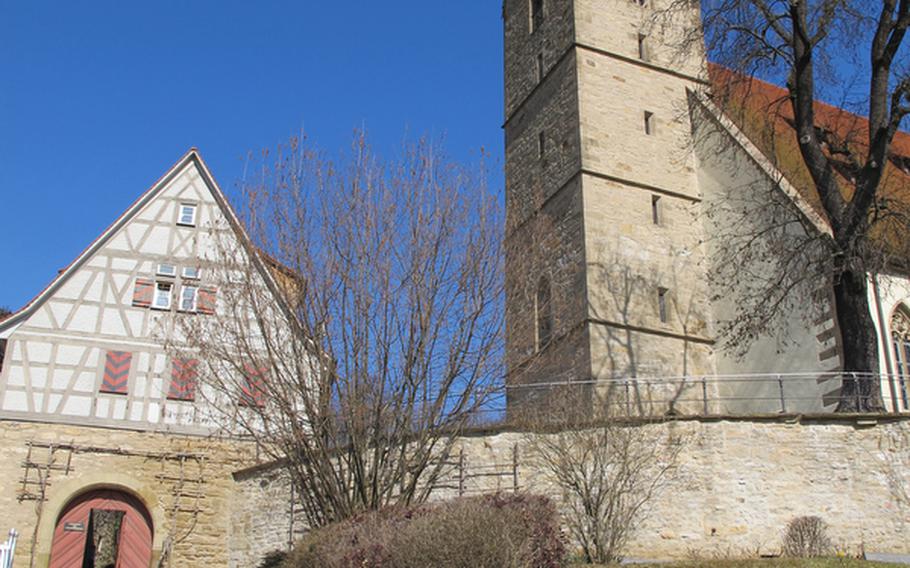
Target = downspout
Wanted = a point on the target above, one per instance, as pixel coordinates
(886, 345)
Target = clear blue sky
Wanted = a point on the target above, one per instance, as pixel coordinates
(98, 99)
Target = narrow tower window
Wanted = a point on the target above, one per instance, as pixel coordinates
(649, 123)
(544, 312)
(539, 67)
(662, 304)
(541, 145)
(655, 209)
(536, 14)
(643, 47)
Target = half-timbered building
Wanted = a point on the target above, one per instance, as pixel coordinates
(109, 451)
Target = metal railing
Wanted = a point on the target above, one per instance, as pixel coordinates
(741, 394)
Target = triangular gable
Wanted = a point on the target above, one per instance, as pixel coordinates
(192, 158)
(763, 163)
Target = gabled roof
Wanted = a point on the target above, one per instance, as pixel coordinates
(762, 111)
(192, 156)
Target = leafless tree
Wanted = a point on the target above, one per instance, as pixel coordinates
(361, 330)
(837, 48)
(609, 471)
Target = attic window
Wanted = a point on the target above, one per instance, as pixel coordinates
(167, 270)
(187, 215)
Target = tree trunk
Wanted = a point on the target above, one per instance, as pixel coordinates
(860, 392)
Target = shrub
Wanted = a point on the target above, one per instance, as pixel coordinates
(274, 559)
(806, 537)
(502, 530)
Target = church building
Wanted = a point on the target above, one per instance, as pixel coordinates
(620, 172)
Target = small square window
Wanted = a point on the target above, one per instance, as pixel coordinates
(191, 272)
(167, 270)
(188, 297)
(187, 215)
(662, 304)
(649, 123)
(162, 296)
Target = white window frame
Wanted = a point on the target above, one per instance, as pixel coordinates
(159, 293)
(183, 291)
(166, 269)
(191, 273)
(192, 207)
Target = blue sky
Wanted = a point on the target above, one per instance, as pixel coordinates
(98, 99)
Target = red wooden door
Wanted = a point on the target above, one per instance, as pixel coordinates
(135, 545)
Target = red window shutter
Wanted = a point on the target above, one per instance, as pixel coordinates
(183, 379)
(205, 301)
(142, 293)
(252, 389)
(116, 372)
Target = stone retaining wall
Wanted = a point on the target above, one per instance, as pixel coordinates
(738, 483)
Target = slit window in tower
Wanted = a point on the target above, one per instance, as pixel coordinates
(643, 47)
(662, 304)
(539, 67)
(655, 209)
(544, 312)
(649, 123)
(541, 145)
(536, 14)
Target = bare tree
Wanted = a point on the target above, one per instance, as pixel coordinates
(608, 470)
(362, 331)
(818, 47)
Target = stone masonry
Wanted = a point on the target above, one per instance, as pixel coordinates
(189, 499)
(738, 483)
(601, 207)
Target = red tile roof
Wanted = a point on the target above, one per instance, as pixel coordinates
(763, 112)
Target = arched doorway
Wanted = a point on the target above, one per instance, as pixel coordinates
(102, 528)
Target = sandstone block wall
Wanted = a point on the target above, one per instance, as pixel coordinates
(192, 518)
(737, 485)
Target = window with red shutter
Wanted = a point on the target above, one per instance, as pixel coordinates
(116, 372)
(183, 379)
(205, 300)
(142, 293)
(252, 389)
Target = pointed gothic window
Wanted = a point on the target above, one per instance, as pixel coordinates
(900, 336)
(544, 312)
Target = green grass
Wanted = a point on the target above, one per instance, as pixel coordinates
(766, 563)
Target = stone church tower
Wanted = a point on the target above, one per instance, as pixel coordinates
(605, 263)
